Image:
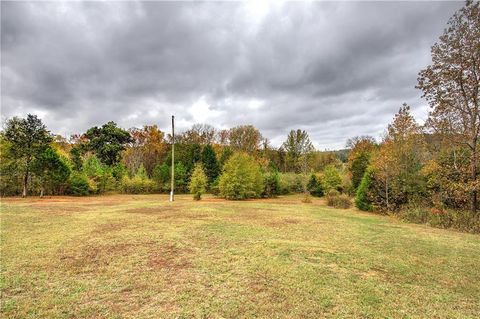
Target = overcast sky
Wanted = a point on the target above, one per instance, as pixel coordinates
(335, 69)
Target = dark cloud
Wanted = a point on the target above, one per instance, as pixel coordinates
(334, 69)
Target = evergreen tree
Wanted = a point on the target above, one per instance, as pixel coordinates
(314, 186)
(210, 164)
(241, 178)
(107, 142)
(181, 178)
(51, 169)
(161, 175)
(198, 182)
(27, 139)
(361, 199)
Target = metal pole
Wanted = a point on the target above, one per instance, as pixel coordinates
(173, 159)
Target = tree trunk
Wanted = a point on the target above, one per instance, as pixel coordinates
(41, 192)
(473, 196)
(25, 184)
(386, 189)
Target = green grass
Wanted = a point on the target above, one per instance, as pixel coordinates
(143, 257)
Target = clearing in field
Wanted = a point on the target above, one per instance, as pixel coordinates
(143, 257)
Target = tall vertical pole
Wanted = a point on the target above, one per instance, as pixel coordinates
(173, 159)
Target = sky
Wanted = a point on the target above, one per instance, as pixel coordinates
(334, 69)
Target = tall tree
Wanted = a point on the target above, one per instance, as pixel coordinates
(361, 148)
(107, 142)
(245, 138)
(148, 147)
(198, 134)
(451, 86)
(297, 147)
(210, 163)
(51, 169)
(398, 162)
(27, 138)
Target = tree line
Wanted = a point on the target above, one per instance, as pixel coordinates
(138, 160)
(426, 173)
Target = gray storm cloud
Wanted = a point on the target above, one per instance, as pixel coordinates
(335, 69)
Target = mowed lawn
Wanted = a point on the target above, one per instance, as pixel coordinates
(125, 256)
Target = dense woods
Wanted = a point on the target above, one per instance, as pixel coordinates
(423, 173)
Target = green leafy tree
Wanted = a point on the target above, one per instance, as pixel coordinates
(194, 156)
(241, 178)
(51, 169)
(118, 171)
(10, 177)
(139, 183)
(210, 164)
(361, 149)
(141, 172)
(331, 179)
(226, 153)
(27, 139)
(76, 153)
(314, 186)
(198, 182)
(271, 184)
(358, 167)
(107, 142)
(78, 184)
(297, 147)
(362, 200)
(181, 178)
(161, 175)
(100, 175)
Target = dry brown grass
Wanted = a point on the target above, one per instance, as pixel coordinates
(125, 256)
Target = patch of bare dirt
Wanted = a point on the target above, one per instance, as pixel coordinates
(94, 257)
(108, 228)
(169, 257)
(166, 212)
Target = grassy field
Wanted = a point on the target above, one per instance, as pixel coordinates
(125, 256)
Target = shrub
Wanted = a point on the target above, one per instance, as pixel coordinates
(291, 183)
(138, 184)
(361, 198)
(331, 179)
(78, 185)
(306, 198)
(241, 178)
(456, 219)
(314, 186)
(337, 200)
(198, 182)
(271, 183)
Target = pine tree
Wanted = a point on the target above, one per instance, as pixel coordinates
(210, 163)
(198, 182)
